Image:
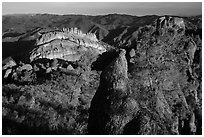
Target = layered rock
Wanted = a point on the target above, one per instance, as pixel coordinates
(66, 33)
(67, 44)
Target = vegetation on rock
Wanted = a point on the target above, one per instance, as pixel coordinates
(148, 82)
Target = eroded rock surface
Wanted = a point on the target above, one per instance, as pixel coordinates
(67, 44)
(171, 24)
(149, 83)
(159, 82)
(112, 106)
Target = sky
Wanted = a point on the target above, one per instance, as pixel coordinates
(102, 8)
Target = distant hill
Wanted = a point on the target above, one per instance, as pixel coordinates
(102, 25)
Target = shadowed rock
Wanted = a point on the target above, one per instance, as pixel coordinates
(112, 107)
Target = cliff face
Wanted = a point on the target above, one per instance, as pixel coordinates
(66, 33)
(67, 44)
(149, 92)
(163, 70)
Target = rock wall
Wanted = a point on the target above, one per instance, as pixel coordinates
(154, 88)
(64, 44)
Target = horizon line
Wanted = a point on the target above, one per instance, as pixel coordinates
(98, 14)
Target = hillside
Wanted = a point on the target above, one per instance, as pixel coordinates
(97, 75)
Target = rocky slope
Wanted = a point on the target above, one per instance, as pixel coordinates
(52, 50)
(154, 98)
(21, 31)
(51, 94)
(67, 81)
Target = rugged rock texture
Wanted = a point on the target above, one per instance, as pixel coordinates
(8, 63)
(112, 107)
(67, 44)
(170, 24)
(49, 96)
(148, 83)
(160, 84)
(73, 34)
(163, 67)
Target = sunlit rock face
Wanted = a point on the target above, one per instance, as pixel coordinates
(66, 33)
(170, 24)
(67, 44)
(8, 63)
(152, 94)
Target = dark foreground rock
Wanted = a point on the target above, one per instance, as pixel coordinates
(112, 106)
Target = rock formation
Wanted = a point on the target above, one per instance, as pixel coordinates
(148, 83)
(8, 63)
(170, 24)
(67, 44)
(156, 91)
(112, 106)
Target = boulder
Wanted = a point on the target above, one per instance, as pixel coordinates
(8, 63)
(26, 67)
(48, 70)
(54, 64)
(132, 53)
(69, 67)
(7, 73)
(132, 60)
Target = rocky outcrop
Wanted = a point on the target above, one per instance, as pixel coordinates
(159, 86)
(132, 53)
(163, 69)
(26, 67)
(153, 87)
(8, 63)
(166, 24)
(112, 106)
(7, 67)
(7, 73)
(67, 44)
(65, 33)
